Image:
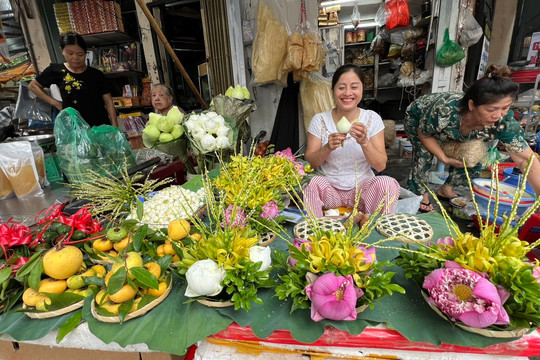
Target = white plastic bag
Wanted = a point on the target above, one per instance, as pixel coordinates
(408, 202)
(380, 15)
(471, 31)
(355, 17)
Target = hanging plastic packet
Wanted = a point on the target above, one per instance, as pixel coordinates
(380, 15)
(17, 163)
(355, 17)
(450, 52)
(471, 31)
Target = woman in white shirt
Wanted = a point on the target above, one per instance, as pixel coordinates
(345, 160)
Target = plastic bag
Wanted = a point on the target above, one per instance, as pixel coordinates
(316, 96)
(471, 31)
(380, 15)
(81, 149)
(270, 45)
(30, 107)
(17, 163)
(397, 14)
(39, 160)
(355, 17)
(295, 47)
(6, 190)
(450, 52)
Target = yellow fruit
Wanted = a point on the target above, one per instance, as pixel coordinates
(75, 282)
(122, 244)
(42, 303)
(160, 251)
(125, 293)
(86, 292)
(102, 245)
(102, 297)
(175, 258)
(135, 305)
(132, 259)
(99, 270)
(178, 229)
(83, 267)
(196, 236)
(154, 268)
(61, 264)
(113, 253)
(52, 286)
(31, 297)
(168, 249)
(89, 272)
(110, 307)
(167, 242)
(107, 277)
(158, 292)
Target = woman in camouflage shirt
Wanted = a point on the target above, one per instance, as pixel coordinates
(483, 112)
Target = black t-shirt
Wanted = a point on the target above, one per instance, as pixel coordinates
(83, 92)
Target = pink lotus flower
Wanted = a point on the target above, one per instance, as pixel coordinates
(235, 216)
(369, 253)
(287, 154)
(270, 210)
(536, 272)
(333, 297)
(297, 242)
(443, 243)
(467, 296)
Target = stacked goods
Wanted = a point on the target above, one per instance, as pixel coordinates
(89, 16)
(61, 13)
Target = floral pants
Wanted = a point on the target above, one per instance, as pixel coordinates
(320, 195)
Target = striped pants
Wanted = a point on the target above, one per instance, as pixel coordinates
(320, 195)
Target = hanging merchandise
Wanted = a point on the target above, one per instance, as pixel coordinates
(397, 14)
(355, 17)
(450, 52)
(380, 15)
(270, 45)
(285, 131)
(471, 31)
(316, 96)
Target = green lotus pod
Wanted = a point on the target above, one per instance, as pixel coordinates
(245, 91)
(165, 137)
(178, 131)
(152, 132)
(154, 118)
(229, 91)
(165, 124)
(175, 115)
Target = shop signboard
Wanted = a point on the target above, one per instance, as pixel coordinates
(534, 49)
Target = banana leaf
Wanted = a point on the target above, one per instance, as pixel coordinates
(22, 328)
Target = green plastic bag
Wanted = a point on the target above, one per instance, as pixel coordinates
(450, 52)
(81, 148)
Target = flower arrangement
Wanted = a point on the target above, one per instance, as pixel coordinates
(481, 282)
(336, 274)
(268, 179)
(210, 133)
(224, 261)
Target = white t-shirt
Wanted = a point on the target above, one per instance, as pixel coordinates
(346, 166)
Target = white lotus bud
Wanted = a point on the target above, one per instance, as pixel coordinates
(204, 278)
(208, 142)
(343, 125)
(223, 130)
(263, 254)
(222, 142)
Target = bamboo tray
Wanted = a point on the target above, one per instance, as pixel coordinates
(215, 304)
(134, 314)
(267, 238)
(53, 313)
(302, 230)
(407, 228)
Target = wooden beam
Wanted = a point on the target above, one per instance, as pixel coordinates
(170, 50)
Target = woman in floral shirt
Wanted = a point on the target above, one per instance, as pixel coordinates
(483, 112)
(82, 87)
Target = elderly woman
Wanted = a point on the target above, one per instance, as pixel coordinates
(483, 112)
(345, 160)
(162, 99)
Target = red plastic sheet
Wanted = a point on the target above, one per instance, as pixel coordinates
(528, 345)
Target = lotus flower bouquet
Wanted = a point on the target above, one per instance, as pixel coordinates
(237, 105)
(209, 134)
(268, 179)
(484, 284)
(224, 261)
(334, 273)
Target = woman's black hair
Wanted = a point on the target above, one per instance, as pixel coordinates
(72, 38)
(495, 85)
(344, 69)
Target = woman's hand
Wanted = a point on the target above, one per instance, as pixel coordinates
(335, 140)
(359, 133)
(451, 161)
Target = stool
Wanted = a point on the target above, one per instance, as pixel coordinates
(176, 170)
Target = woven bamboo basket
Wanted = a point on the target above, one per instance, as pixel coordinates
(267, 238)
(134, 314)
(302, 230)
(412, 228)
(53, 313)
(215, 303)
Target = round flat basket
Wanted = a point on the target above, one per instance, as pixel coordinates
(267, 238)
(407, 228)
(215, 304)
(361, 309)
(302, 230)
(53, 313)
(134, 314)
(502, 334)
